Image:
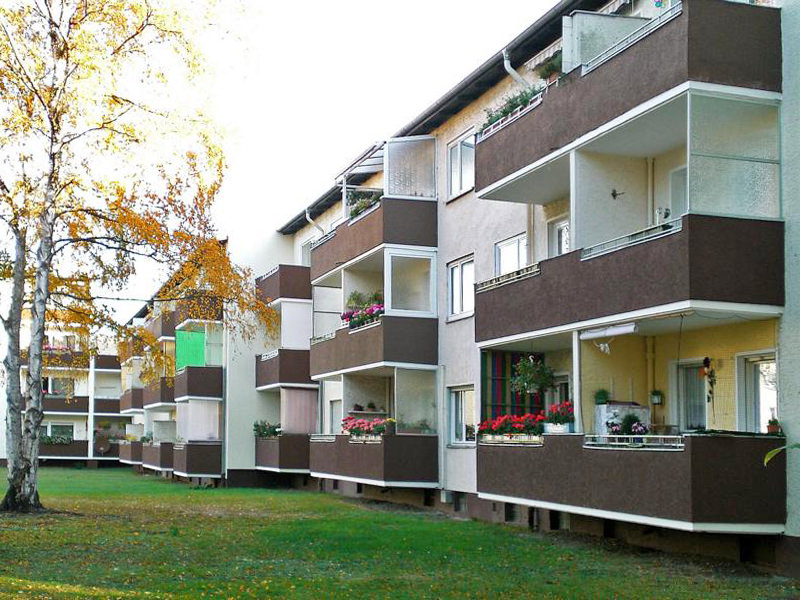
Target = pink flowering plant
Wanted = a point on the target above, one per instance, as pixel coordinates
(363, 309)
(355, 426)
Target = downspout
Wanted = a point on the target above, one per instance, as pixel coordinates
(312, 222)
(651, 191)
(512, 71)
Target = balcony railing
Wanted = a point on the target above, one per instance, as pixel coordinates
(286, 453)
(500, 280)
(197, 459)
(630, 239)
(635, 442)
(632, 38)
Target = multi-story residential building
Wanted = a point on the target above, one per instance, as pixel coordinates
(82, 418)
(624, 225)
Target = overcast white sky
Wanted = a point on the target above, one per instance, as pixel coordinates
(303, 87)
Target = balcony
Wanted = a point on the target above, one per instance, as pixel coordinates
(393, 221)
(107, 406)
(286, 453)
(74, 449)
(198, 309)
(390, 339)
(285, 281)
(710, 41)
(130, 453)
(197, 459)
(705, 259)
(160, 393)
(157, 456)
(107, 362)
(162, 325)
(282, 367)
(131, 400)
(198, 383)
(715, 483)
(391, 461)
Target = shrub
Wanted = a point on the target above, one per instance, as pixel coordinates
(263, 429)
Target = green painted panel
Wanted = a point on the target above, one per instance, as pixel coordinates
(189, 349)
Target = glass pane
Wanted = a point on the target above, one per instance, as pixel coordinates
(415, 400)
(563, 238)
(734, 128)
(453, 166)
(455, 289)
(468, 163)
(61, 386)
(65, 430)
(694, 397)
(767, 394)
(214, 346)
(507, 257)
(458, 416)
(42, 430)
(468, 406)
(468, 286)
(523, 252)
(410, 168)
(411, 283)
(734, 187)
(677, 190)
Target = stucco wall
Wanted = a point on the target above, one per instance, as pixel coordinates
(789, 356)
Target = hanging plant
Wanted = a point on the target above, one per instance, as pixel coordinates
(532, 375)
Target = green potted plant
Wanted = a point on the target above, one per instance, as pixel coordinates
(550, 69)
(533, 375)
(264, 429)
(601, 396)
(773, 426)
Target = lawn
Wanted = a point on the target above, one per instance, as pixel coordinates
(116, 534)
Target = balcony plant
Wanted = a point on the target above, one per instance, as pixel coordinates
(559, 418)
(510, 104)
(363, 309)
(512, 428)
(601, 397)
(550, 69)
(773, 426)
(264, 429)
(55, 440)
(359, 201)
(533, 376)
(367, 429)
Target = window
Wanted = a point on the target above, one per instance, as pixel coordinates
(60, 386)
(558, 237)
(677, 193)
(461, 165)
(305, 253)
(757, 398)
(559, 392)
(511, 255)
(692, 397)
(462, 286)
(61, 429)
(462, 409)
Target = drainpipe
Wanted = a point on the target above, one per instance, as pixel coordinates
(651, 373)
(651, 201)
(312, 222)
(512, 71)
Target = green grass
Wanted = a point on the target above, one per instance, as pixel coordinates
(122, 535)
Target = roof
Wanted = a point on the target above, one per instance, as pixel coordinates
(540, 34)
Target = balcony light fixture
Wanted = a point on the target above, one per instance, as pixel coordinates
(604, 332)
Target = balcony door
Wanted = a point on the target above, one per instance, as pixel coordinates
(691, 388)
(335, 416)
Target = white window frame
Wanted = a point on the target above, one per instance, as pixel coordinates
(553, 225)
(550, 398)
(306, 243)
(451, 313)
(387, 284)
(670, 176)
(507, 242)
(452, 394)
(49, 425)
(456, 143)
(740, 392)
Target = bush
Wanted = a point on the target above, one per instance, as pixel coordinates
(263, 429)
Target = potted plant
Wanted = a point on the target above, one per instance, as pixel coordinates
(550, 69)
(559, 418)
(601, 396)
(510, 104)
(264, 429)
(533, 376)
(773, 426)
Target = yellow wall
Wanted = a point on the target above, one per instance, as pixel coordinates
(721, 344)
(623, 373)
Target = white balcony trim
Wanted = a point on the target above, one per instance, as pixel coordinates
(696, 527)
(206, 475)
(202, 398)
(399, 365)
(378, 482)
(130, 462)
(273, 386)
(280, 470)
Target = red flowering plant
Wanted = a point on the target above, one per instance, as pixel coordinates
(530, 424)
(560, 414)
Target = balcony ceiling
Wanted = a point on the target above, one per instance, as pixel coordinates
(546, 184)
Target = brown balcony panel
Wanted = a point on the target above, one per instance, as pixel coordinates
(714, 479)
(111, 452)
(157, 456)
(288, 281)
(198, 459)
(394, 339)
(287, 452)
(162, 325)
(201, 309)
(160, 392)
(106, 405)
(288, 367)
(75, 449)
(403, 460)
(395, 221)
(76, 359)
(198, 382)
(76, 404)
(711, 41)
(131, 399)
(710, 258)
(107, 361)
(130, 453)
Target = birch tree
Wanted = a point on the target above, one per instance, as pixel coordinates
(105, 163)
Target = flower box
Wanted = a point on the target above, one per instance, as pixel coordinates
(553, 428)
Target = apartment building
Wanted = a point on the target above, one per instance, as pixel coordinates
(625, 225)
(82, 418)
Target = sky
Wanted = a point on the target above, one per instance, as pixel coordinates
(301, 88)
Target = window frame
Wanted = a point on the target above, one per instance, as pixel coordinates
(455, 399)
(459, 264)
(456, 143)
(388, 274)
(553, 225)
(49, 426)
(514, 239)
